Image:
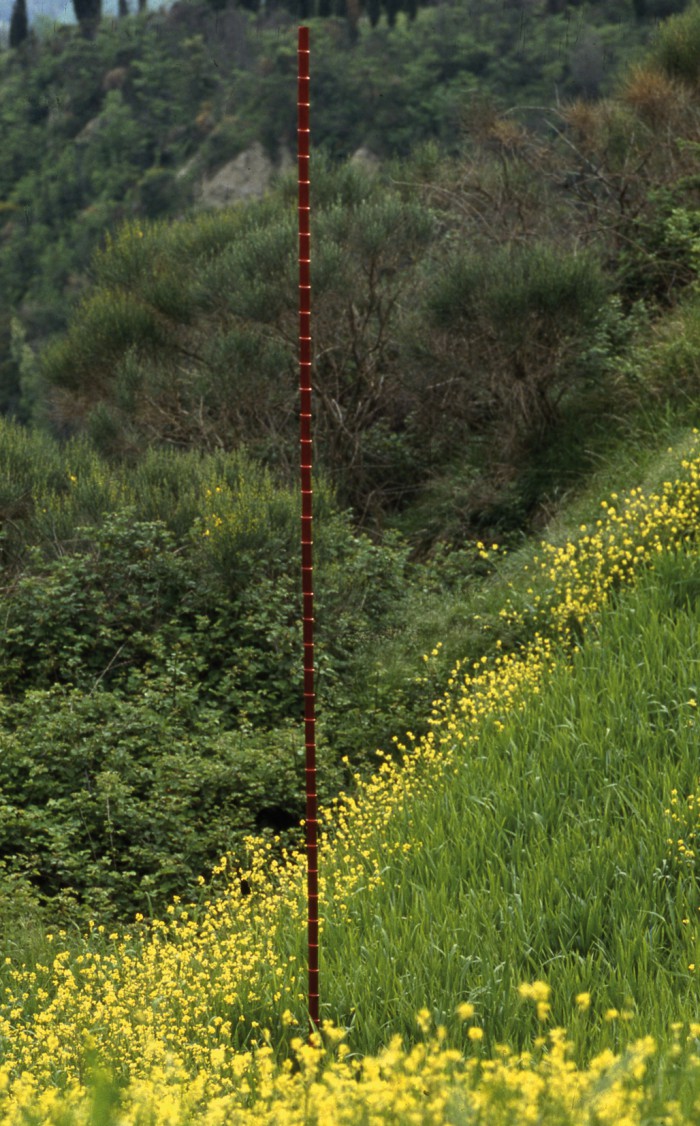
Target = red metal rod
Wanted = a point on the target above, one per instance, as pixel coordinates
(307, 518)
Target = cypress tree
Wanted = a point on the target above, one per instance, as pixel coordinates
(19, 24)
(374, 11)
(88, 14)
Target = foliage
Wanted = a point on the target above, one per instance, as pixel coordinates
(150, 601)
(676, 46)
(670, 357)
(510, 327)
(123, 121)
(208, 358)
(114, 371)
(167, 598)
(111, 805)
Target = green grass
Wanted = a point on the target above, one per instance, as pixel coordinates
(464, 617)
(544, 855)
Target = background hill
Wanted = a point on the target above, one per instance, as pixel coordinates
(133, 123)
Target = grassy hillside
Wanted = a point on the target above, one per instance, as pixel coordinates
(479, 346)
(156, 605)
(528, 867)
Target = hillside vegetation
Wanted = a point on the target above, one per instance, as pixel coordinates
(474, 314)
(488, 326)
(506, 371)
(126, 124)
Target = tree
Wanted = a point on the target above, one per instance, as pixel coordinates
(509, 331)
(19, 24)
(391, 8)
(88, 14)
(140, 363)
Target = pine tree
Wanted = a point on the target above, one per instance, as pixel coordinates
(19, 24)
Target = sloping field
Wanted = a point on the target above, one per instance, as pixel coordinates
(510, 905)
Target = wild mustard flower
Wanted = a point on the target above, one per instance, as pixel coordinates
(465, 1011)
(427, 1084)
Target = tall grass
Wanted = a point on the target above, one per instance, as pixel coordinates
(544, 853)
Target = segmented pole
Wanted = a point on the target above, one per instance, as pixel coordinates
(307, 517)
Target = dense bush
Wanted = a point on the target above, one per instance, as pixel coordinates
(510, 328)
(207, 358)
(150, 666)
(676, 46)
(118, 803)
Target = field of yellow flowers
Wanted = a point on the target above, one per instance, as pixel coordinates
(509, 905)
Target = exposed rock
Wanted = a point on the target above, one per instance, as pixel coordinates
(247, 176)
(186, 168)
(364, 158)
(114, 79)
(90, 130)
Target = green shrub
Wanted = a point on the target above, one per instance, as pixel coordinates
(144, 657)
(668, 364)
(205, 356)
(512, 326)
(676, 47)
(659, 261)
(119, 804)
(90, 614)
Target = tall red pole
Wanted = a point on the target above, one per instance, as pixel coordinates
(307, 518)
